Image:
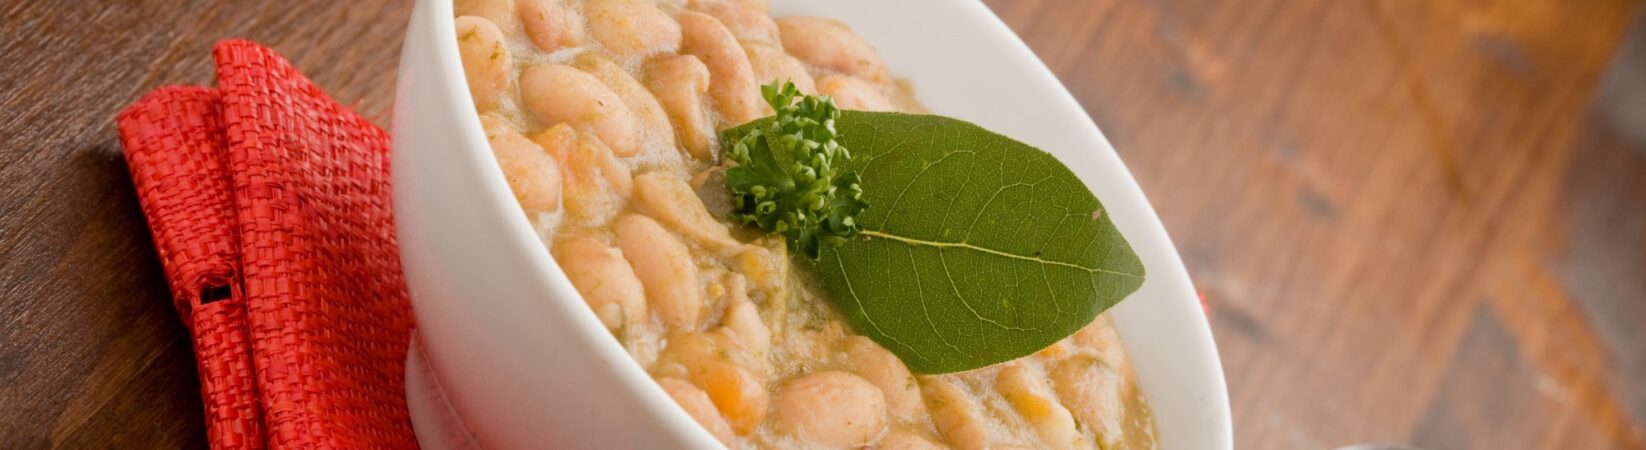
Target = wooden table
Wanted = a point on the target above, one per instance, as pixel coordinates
(1416, 222)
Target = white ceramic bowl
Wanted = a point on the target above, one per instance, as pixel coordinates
(522, 361)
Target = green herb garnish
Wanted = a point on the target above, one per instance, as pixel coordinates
(788, 177)
(979, 249)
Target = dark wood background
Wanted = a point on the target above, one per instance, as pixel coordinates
(1417, 221)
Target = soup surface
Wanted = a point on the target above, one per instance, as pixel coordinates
(603, 116)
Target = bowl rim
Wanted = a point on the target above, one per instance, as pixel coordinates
(521, 233)
(499, 199)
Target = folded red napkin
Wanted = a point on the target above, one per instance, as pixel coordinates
(269, 204)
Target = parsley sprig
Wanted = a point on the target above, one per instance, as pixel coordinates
(790, 175)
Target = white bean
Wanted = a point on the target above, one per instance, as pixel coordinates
(698, 405)
(532, 174)
(486, 61)
(634, 95)
(743, 318)
(833, 409)
(1101, 337)
(679, 82)
(731, 79)
(596, 183)
(603, 278)
(757, 5)
(1092, 391)
(500, 12)
(813, 341)
(831, 45)
(882, 368)
(1028, 393)
(551, 24)
(771, 64)
(665, 268)
(725, 370)
(746, 23)
(670, 200)
(903, 440)
(766, 268)
(852, 93)
(632, 29)
(1055, 351)
(956, 415)
(562, 94)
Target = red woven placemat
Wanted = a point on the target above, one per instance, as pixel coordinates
(270, 194)
(174, 146)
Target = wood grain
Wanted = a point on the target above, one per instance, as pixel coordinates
(91, 355)
(1417, 222)
(1413, 221)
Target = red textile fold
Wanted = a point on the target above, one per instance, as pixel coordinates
(269, 203)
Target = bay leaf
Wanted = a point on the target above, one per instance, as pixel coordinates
(976, 248)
